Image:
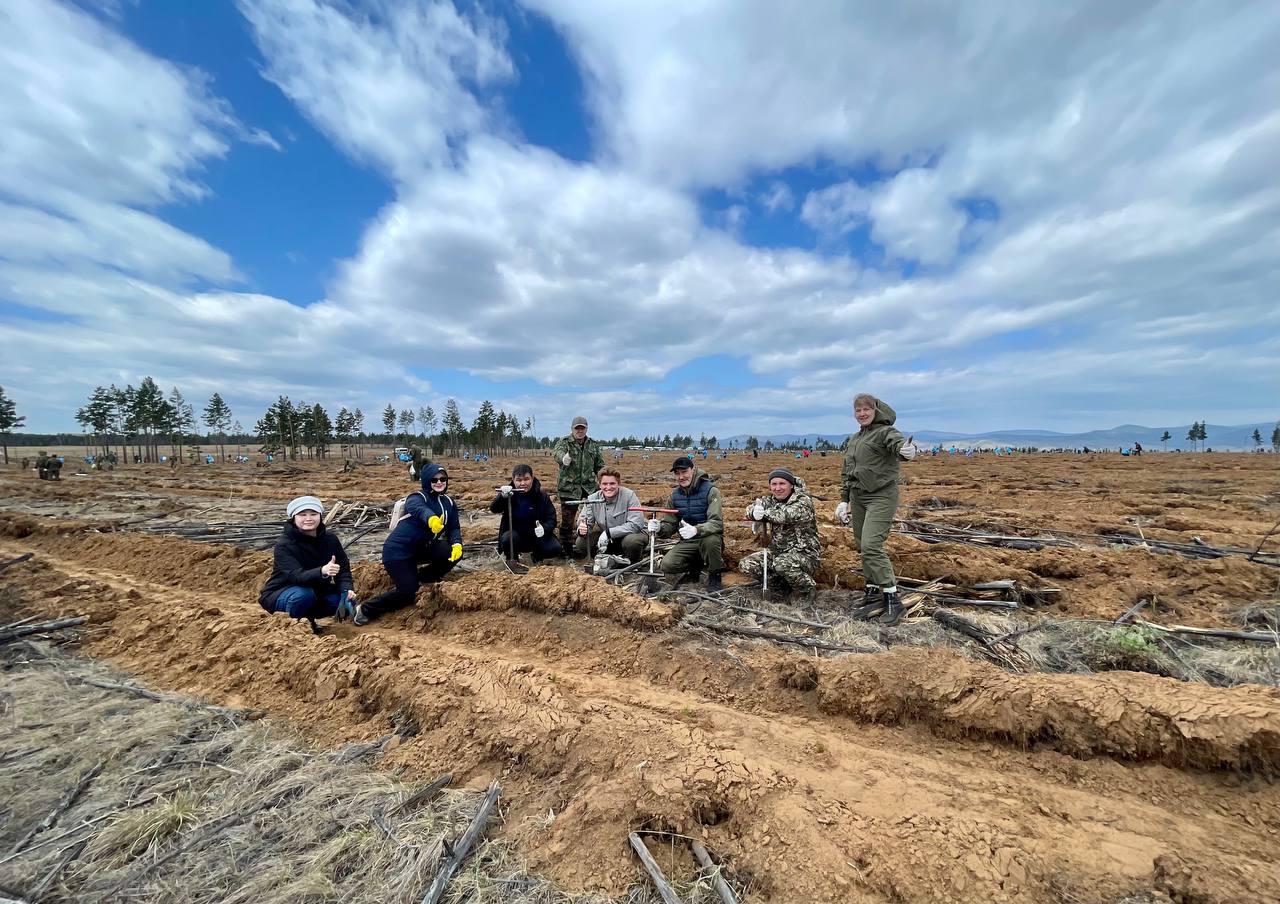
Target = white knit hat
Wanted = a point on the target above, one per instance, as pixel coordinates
(304, 504)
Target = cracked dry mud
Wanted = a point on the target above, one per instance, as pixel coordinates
(914, 775)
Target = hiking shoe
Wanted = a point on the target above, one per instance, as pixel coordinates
(892, 614)
(713, 582)
(360, 619)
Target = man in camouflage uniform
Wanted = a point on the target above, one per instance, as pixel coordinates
(579, 460)
(794, 551)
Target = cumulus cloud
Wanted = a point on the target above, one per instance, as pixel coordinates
(390, 84)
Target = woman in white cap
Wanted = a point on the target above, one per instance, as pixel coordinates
(312, 574)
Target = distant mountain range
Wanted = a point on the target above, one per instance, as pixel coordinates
(1220, 437)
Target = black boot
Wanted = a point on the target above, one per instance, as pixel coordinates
(892, 614)
(713, 582)
(872, 605)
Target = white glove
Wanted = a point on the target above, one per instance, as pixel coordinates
(687, 531)
(842, 512)
(539, 530)
(757, 511)
(506, 490)
(567, 460)
(652, 525)
(603, 543)
(908, 450)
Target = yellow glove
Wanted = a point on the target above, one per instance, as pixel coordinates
(455, 553)
(435, 524)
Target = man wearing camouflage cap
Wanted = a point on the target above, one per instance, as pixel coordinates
(579, 460)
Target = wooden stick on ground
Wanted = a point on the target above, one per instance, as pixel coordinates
(41, 628)
(65, 804)
(28, 555)
(436, 892)
(1253, 555)
(668, 893)
(426, 794)
(717, 880)
(1256, 637)
(779, 636)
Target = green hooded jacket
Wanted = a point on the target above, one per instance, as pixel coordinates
(795, 526)
(871, 458)
(579, 478)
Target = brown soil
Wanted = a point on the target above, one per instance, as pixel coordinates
(914, 775)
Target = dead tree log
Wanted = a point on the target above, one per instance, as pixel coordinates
(717, 880)
(436, 892)
(660, 882)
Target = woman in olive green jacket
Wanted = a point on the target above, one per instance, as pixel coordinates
(869, 493)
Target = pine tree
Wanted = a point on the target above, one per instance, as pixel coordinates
(1275, 438)
(389, 422)
(452, 425)
(344, 425)
(485, 426)
(406, 422)
(9, 419)
(319, 430)
(1194, 434)
(97, 415)
(1201, 434)
(237, 430)
(149, 416)
(1257, 438)
(177, 425)
(357, 424)
(1164, 440)
(268, 432)
(217, 417)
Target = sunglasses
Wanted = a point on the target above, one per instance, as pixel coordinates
(439, 479)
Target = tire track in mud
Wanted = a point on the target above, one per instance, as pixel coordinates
(611, 727)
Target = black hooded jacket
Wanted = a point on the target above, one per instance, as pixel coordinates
(533, 505)
(298, 561)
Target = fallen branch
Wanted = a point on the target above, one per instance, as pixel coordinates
(1255, 637)
(425, 795)
(68, 800)
(1253, 555)
(717, 880)
(1132, 611)
(12, 562)
(778, 636)
(660, 882)
(436, 892)
(250, 714)
(14, 633)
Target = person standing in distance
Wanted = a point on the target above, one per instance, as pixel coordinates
(869, 493)
(579, 460)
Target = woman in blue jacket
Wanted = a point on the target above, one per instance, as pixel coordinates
(422, 548)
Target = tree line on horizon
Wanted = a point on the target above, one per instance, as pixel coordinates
(145, 418)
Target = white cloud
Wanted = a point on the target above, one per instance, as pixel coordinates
(1124, 152)
(388, 84)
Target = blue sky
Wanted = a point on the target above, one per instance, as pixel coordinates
(719, 218)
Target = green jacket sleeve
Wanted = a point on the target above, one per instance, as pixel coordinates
(715, 518)
(558, 450)
(892, 439)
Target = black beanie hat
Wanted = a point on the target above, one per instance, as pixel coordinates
(785, 475)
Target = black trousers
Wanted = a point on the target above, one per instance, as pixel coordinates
(544, 547)
(431, 564)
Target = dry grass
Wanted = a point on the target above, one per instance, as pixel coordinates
(195, 806)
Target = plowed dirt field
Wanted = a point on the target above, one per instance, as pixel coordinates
(911, 775)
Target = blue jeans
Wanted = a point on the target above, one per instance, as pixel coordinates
(301, 602)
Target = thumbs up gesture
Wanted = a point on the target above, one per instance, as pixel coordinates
(331, 568)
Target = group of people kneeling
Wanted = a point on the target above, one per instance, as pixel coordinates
(312, 574)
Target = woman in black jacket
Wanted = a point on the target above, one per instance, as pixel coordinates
(312, 574)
